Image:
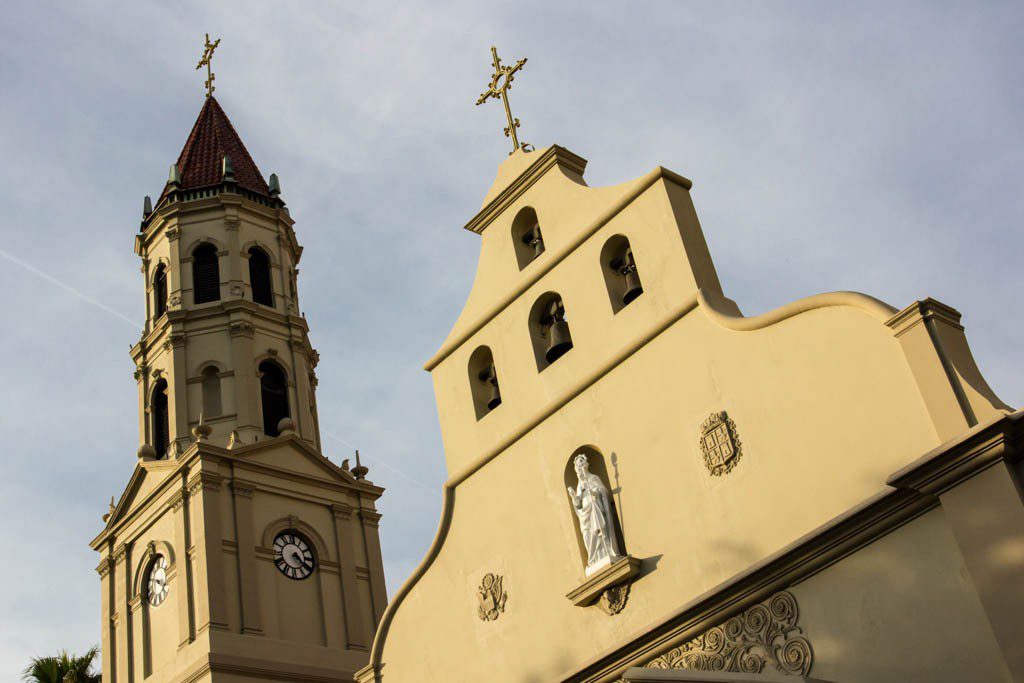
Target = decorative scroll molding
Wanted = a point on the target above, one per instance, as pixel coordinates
(204, 481)
(172, 233)
(720, 444)
(174, 340)
(241, 329)
(613, 600)
(491, 596)
(766, 634)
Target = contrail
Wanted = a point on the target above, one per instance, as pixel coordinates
(68, 288)
(378, 461)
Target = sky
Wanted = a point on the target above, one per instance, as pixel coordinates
(870, 146)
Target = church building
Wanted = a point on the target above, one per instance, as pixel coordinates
(647, 485)
(237, 552)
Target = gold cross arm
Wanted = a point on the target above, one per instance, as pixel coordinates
(207, 61)
(501, 83)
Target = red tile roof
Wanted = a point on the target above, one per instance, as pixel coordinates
(212, 138)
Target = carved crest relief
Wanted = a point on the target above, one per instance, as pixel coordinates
(491, 597)
(719, 443)
(765, 635)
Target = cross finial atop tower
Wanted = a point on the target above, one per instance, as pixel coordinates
(500, 84)
(205, 61)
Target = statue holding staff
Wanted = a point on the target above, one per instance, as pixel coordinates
(592, 502)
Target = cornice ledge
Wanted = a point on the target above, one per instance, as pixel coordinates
(553, 156)
(921, 311)
(1000, 439)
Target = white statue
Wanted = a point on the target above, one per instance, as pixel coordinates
(592, 502)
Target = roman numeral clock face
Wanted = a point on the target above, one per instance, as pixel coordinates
(292, 555)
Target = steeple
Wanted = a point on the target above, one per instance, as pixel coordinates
(224, 337)
(200, 163)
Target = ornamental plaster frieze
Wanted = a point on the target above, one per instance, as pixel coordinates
(765, 636)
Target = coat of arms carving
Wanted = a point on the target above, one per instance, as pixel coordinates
(719, 443)
(491, 597)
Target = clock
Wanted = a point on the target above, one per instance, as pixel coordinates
(293, 556)
(156, 585)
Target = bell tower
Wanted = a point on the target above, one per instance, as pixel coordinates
(237, 551)
(220, 259)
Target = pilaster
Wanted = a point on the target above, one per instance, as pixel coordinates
(174, 275)
(185, 588)
(252, 622)
(122, 618)
(345, 537)
(211, 606)
(108, 633)
(370, 521)
(954, 392)
(175, 345)
(247, 395)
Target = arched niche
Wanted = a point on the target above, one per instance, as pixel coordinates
(273, 395)
(549, 330)
(621, 275)
(483, 382)
(597, 465)
(149, 553)
(527, 239)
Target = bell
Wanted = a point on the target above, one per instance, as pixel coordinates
(633, 287)
(558, 342)
(533, 239)
(495, 398)
(490, 377)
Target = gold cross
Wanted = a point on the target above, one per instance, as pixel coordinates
(205, 61)
(500, 84)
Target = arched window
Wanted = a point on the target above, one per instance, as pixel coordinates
(274, 394)
(483, 382)
(620, 273)
(526, 237)
(159, 291)
(259, 277)
(211, 392)
(161, 421)
(549, 330)
(205, 274)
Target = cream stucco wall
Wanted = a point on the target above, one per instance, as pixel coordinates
(829, 396)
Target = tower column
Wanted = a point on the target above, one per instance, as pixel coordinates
(177, 406)
(107, 633)
(252, 621)
(345, 539)
(204, 497)
(247, 390)
(186, 616)
(122, 618)
(174, 274)
(374, 561)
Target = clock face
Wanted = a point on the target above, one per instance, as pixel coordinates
(292, 555)
(156, 585)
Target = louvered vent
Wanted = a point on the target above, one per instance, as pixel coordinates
(205, 274)
(259, 277)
